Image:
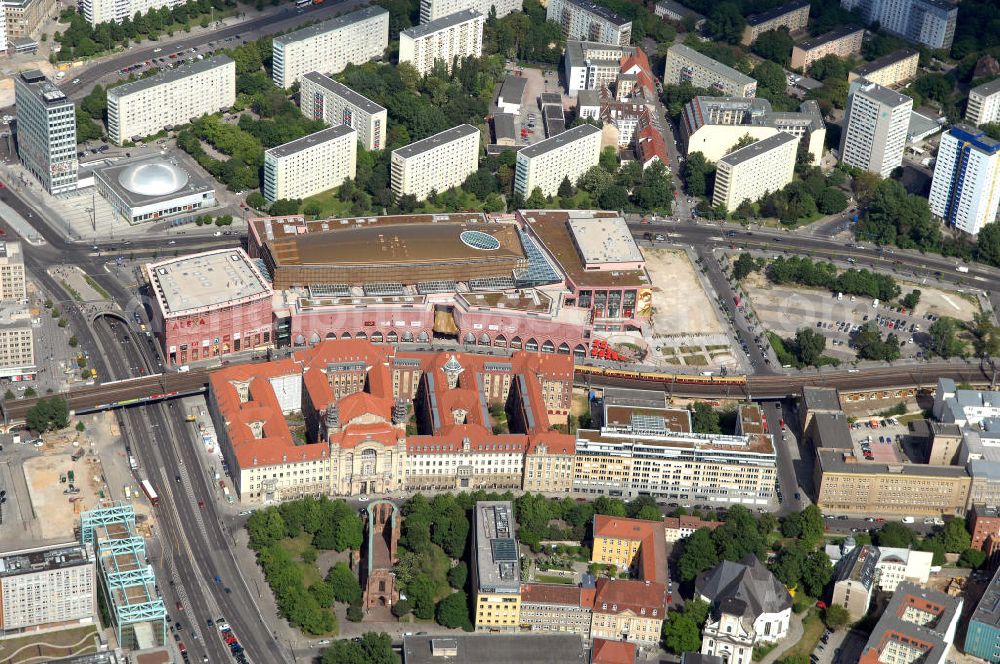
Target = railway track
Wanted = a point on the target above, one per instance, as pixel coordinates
(147, 389)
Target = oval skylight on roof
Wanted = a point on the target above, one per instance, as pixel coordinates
(479, 240)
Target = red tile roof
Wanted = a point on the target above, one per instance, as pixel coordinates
(652, 562)
(275, 446)
(640, 597)
(557, 593)
(613, 652)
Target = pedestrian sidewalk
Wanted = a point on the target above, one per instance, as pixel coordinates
(793, 637)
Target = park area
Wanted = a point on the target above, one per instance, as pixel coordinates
(49, 646)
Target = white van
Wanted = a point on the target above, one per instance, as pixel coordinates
(840, 296)
(875, 304)
(907, 519)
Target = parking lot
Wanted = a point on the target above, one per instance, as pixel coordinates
(880, 440)
(785, 309)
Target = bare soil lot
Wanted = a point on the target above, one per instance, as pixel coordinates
(55, 513)
(680, 304)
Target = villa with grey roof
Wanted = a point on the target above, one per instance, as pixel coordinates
(749, 607)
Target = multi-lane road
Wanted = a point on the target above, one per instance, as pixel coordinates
(194, 544)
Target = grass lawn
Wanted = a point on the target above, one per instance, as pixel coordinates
(812, 630)
(296, 546)
(49, 645)
(330, 205)
(550, 578)
(903, 419)
(695, 360)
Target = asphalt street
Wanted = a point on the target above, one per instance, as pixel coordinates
(194, 543)
(279, 20)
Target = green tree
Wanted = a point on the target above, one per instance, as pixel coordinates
(895, 534)
(322, 593)
(705, 419)
(609, 159)
(86, 129)
(943, 338)
(696, 170)
(266, 527)
(774, 45)
(81, 427)
(809, 346)
(835, 616)
(96, 102)
(536, 200)
(343, 584)
(421, 592)
(726, 22)
(284, 207)
(698, 555)
(743, 266)
(912, 299)
(610, 506)
(955, 537)
(8, 395)
(770, 76)
(817, 571)
(681, 633)
(830, 67)
(566, 189)
(868, 340)
(47, 414)
(256, 200)
(614, 197)
(453, 611)
(972, 558)
(458, 575)
(369, 648)
(401, 608)
(831, 201)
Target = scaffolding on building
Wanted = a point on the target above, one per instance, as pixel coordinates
(128, 583)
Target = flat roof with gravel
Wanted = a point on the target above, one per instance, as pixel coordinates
(341, 90)
(170, 76)
(435, 141)
(206, 280)
(306, 142)
(329, 26)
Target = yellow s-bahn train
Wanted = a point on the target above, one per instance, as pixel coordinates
(655, 377)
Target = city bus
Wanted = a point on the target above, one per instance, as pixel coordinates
(147, 489)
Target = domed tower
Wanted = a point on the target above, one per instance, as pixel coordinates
(452, 369)
(331, 419)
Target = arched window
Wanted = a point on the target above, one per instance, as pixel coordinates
(515, 343)
(376, 337)
(531, 345)
(392, 337)
(500, 341)
(548, 347)
(564, 348)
